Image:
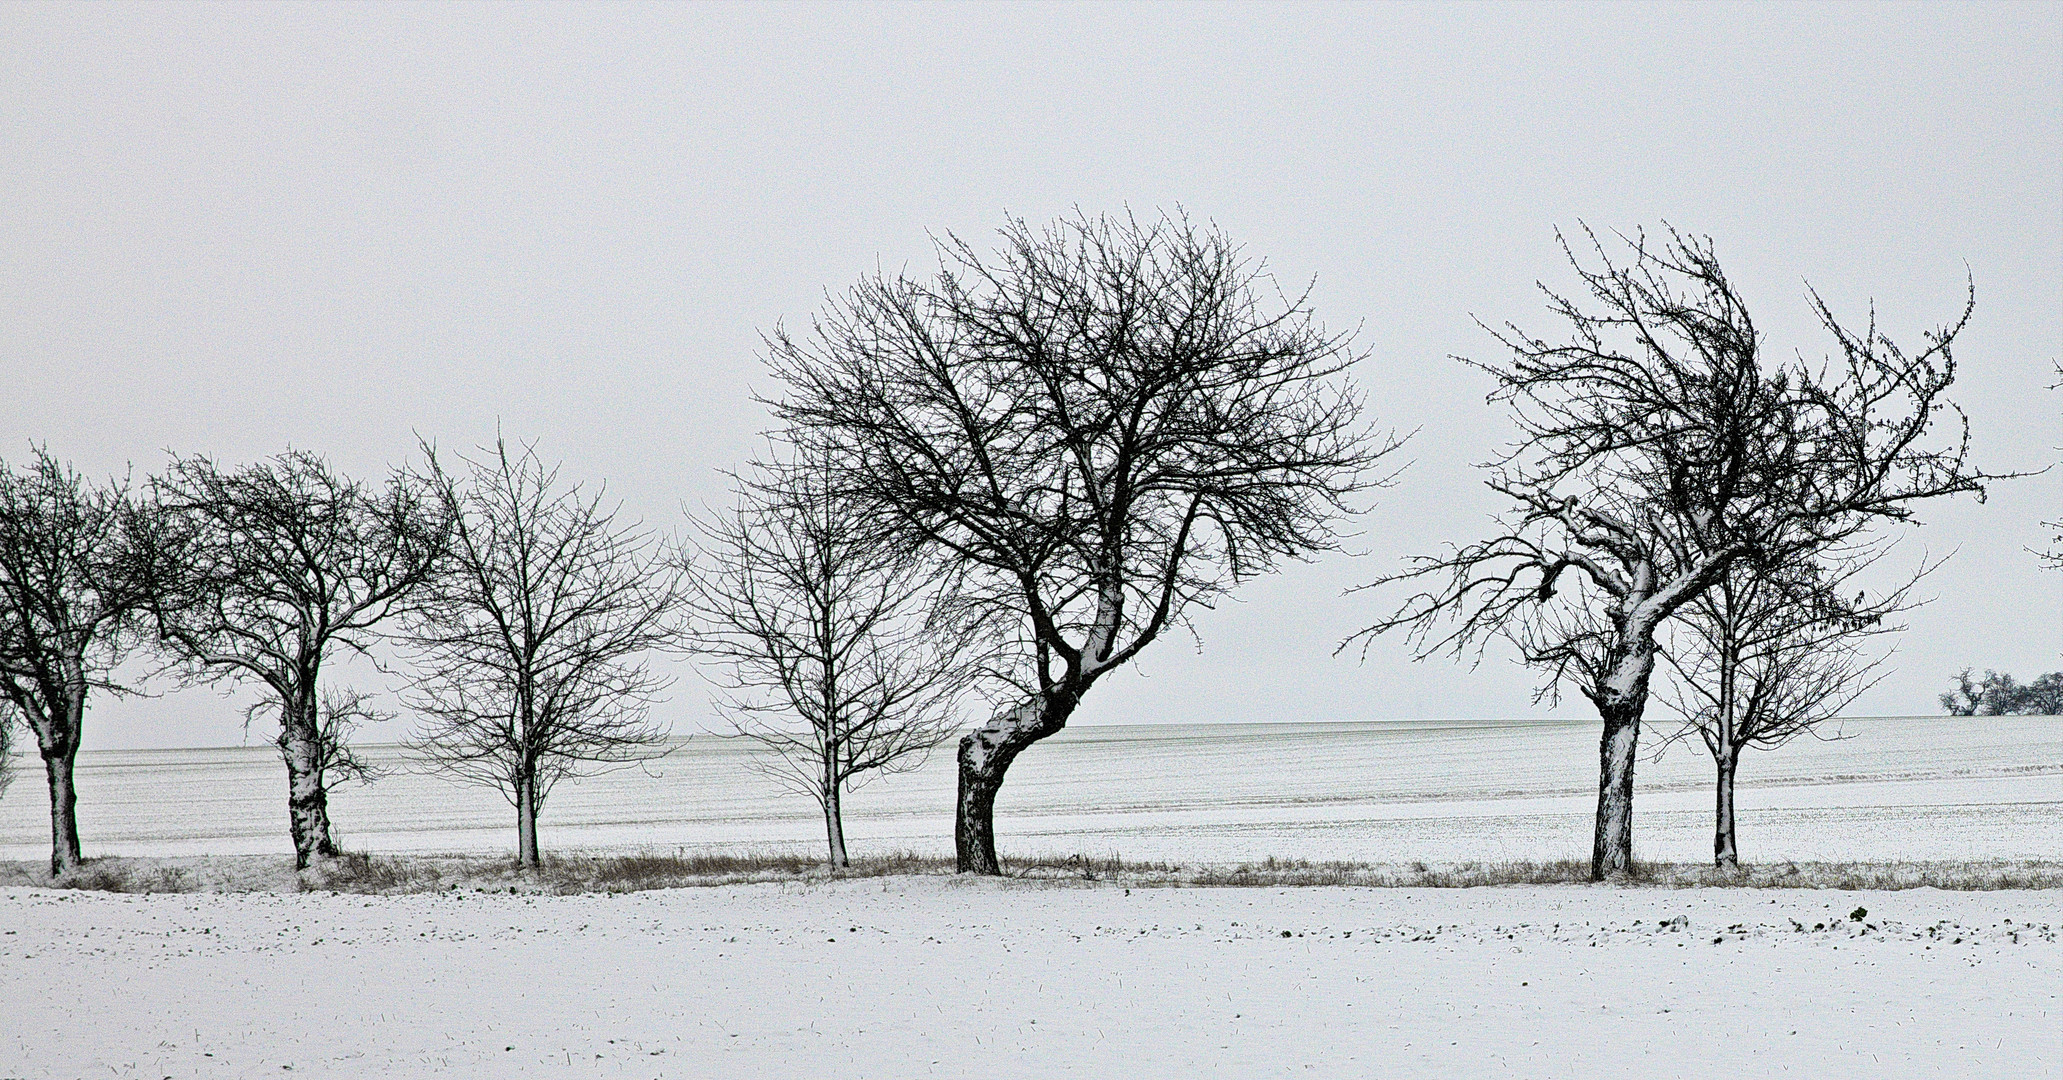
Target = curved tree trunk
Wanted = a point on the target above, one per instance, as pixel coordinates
(974, 822)
(1725, 854)
(985, 755)
(308, 817)
(1620, 702)
(1611, 852)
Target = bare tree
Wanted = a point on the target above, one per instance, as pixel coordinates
(824, 639)
(2043, 696)
(68, 598)
(263, 572)
(1094, 429)
(1656, 448)
(1761, 658)
(531, 649)
(1989, 694)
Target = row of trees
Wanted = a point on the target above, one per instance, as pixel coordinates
(524, 607)
(1996, 693)
(1105, 425)
(1000, 481)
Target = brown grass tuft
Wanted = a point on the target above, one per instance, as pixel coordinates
(640, 871)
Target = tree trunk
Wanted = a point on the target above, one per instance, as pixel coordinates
(58, 717)
(1620, 701)
(526, 821)
(985, 755)
(1611, 852)
(974, 823)
(64, 802)
(308, 815)
(1725, 855)
(834, 820)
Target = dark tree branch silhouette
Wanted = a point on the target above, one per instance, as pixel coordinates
(825, 640)
(1094, 429)
(263, 572)
(530, 646)
(1765, 656)
(2052, 557)
(68, 598)
(1656, 449)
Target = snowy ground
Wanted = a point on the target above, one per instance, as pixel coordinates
(934, 976)
(1892, 789)
(926, 976)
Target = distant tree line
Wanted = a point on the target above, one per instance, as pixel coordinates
(1995, 693)
(991, 485)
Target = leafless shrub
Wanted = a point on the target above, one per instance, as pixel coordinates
(356, 871)
(1768, 654)
(124, 876)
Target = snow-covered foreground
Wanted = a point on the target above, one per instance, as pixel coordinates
(1956, 788)
(926, 976)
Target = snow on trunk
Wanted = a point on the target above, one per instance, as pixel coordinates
(308, 817)
(58, 727)
(64, 815)
(985, 755)
(526, 820)
(834, 819)
(1726, 854)
(1620, 701)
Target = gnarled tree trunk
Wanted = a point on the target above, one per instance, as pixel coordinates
(308, 816)
(985, 755)
(1620, 702)
(64, 801)
(58, 719)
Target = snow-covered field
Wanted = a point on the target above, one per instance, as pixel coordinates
(1928, 789)
(930, 976)
(936, 976)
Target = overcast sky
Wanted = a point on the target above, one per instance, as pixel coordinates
(234, 229)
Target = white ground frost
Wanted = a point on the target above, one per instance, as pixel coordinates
(911, 977)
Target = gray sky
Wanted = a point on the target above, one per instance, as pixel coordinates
(232, 229)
